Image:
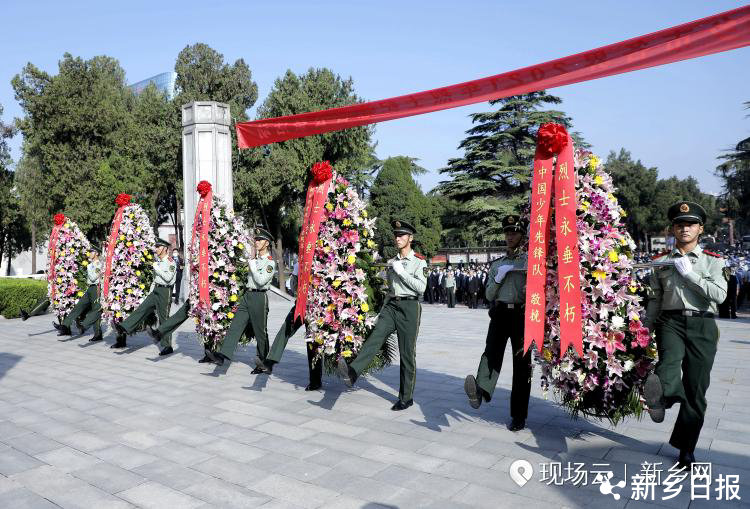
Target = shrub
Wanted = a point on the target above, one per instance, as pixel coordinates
(17, 294)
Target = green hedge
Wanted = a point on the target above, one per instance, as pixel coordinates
(16, 294)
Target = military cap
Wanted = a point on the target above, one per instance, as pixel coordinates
(512, 223)
(260, 233)
(162, 243)
(687, 211)
(402, 227)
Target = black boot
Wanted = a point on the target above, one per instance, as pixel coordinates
(97, 337)
(686, 459)
(56, 325)
(472, 390)
(168, 350)
(121, 341)
(313, 386)
(206, 358)
(517, 424)
(346, 372)
(64, 330)
(402, 405)
(217, 357)
(261, 366)
(24, 315)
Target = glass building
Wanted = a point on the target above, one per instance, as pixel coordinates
(164, 82)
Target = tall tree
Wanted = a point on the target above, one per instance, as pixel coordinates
(735, 172)
(271, 180)
(12, 234)
(75, 122)
(492, 178)
(34, 204)
(636, 192)
(396, 195)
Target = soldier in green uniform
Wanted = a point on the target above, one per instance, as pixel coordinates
(39, 309)
(251, 317)
(89, 302)
(407, 280)
(287, 330)
(683, 301)
(506, 290)
(159, 300)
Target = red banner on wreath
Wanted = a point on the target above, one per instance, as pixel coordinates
(721, 32)
(121, 201)
(59, 221)
(203, 211)
(317, 191)
(554, 178)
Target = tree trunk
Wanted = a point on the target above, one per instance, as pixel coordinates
(33, 248)
(279, 256)
(7, 269)
(177, 226)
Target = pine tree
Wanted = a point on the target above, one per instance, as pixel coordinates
(494, 175)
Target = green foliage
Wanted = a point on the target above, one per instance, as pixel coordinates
(493, 177)
(396, 195)
(735, 172)
(17, 294)
(271, 181)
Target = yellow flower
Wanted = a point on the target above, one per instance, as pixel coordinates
(364, 233)
(319, 340)
(349, 339)
(117, 297)
(122, 237)
(346, 204)
(85, 263)
(131, 215)
(351, 259)
(585, 205)
(360, 318)
(598, 180)
(326, 249)
(80, 294)
(230, 315)
(547, 355)
(241, 245)
(118, 315)
(130, 290)
(633, 289)
(636, 318)
(137, 272)
(59, 280)
(611, 197)
(347, 222)
(623, 241)
(233, 298)
(138, 229)
(599, 274)
(216, 274)
(320, 242)
(330, 307)
(196, 321)
(67, 225)
(623, 213)
(370, 244)
(149, 256)
(365, 307)
(613, 256)
(234, 278)
(346, 353)
(329, 206)
(142, 286)
(364, 213)
(320, 323)
(337, 283)
(593, 162)
(128, 243)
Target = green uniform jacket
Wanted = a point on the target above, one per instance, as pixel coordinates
(413, 281)
(512, 289)
(702, 289)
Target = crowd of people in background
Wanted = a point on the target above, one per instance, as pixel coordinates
(463, 284)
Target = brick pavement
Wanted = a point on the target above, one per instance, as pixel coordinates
(85, 426)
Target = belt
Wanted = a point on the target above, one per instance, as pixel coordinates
(688, 312)
(164, 286)
(507, 305)
(255, 290)
(404, 298)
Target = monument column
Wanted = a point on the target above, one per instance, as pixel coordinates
(206, 155)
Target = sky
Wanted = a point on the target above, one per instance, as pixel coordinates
(678, 118)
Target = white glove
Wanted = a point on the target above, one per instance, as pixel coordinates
(398, 267)
(683, 265)
(502, 271)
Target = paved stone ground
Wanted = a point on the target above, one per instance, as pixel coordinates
(83, 426)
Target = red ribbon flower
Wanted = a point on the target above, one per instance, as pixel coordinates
(322, 171)
(59, 219)
(122, 199)
(204, 187)
(552, 138)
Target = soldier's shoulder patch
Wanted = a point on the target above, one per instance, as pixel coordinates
(269, 269)
(711, 253)
(425, 271)
(727, 273)
(421, 257)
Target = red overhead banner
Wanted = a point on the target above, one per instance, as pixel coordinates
(721, 32)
